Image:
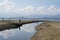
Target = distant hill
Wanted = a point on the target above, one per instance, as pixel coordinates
(13, 17)
(34, 16)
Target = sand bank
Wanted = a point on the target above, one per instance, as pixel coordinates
(47, 31)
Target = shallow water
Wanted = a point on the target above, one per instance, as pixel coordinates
(26, 32)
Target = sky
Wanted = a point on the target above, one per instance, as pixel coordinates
(13, 8)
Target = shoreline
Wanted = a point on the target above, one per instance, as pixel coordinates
(47, 31)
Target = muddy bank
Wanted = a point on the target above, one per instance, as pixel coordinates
(47, 31)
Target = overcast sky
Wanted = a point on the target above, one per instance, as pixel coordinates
(9, 8)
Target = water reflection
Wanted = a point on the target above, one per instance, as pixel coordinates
(25, 33)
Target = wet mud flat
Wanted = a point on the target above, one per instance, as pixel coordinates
(47, 31)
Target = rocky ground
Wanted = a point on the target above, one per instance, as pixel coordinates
(47, 31)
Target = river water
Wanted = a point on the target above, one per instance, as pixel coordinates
(25, 33)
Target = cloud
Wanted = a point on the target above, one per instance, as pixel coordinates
(53, 10)
(27, 10)
(6, 6)
(9, 7)
(7, 33)
(42, 10)
(58, 10)
(29, 27)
